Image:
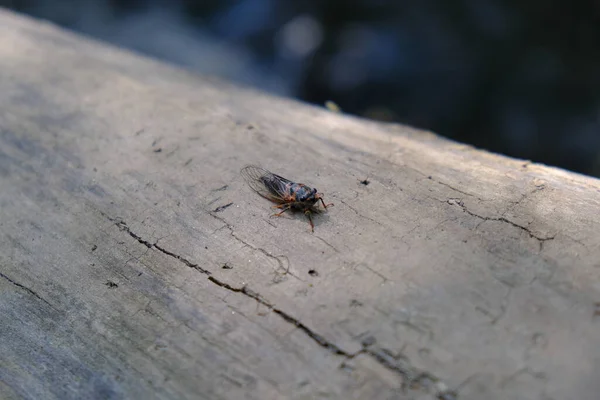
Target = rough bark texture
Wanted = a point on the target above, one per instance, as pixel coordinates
(136, 263)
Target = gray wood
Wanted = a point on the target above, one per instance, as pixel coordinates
(454, 274)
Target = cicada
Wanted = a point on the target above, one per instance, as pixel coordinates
(287, 194)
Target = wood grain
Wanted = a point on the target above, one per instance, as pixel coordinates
(452, 274)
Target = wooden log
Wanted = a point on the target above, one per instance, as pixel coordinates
(136, 263)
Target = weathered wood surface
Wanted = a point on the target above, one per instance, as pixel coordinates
(453, 274)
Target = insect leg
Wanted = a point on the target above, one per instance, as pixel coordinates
(312, 226)
(285, 208)
(325, 205)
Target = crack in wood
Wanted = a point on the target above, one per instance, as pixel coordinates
(502, 219)
(458, 190)
(288, 318)
(122, 225)
(413, 378)
(246, 244)
(223, 207)
(359, 214)
(25, 288)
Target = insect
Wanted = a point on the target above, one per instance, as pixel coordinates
(287, 194)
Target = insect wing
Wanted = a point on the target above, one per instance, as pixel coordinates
(267, 184)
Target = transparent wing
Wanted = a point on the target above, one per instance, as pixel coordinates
(267, 184)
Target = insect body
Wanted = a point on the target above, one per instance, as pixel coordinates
(287, 194)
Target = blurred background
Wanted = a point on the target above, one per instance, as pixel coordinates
(519, 77)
